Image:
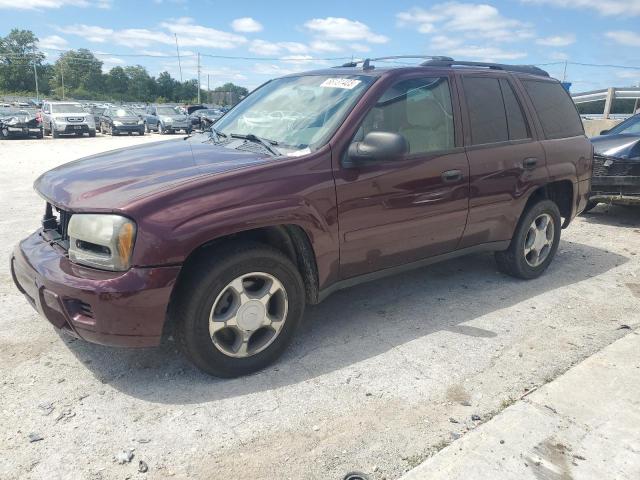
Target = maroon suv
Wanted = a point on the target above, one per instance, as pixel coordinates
(315, 182)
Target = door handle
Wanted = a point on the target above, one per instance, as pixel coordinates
(530, 163)
(451, 176)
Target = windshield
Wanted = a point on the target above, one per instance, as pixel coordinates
(168, 111)
(299, 113)
(122, 112)
(66, 108)
(631, 126)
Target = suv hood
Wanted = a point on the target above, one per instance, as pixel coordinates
(112, 180)
(617, 145)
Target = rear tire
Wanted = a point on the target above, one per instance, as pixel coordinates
(200, 290)
(515, 261)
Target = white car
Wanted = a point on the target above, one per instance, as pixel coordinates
(66, 118)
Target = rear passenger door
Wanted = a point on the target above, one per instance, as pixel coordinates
(505, 158)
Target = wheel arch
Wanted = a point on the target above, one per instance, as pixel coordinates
(561, 192)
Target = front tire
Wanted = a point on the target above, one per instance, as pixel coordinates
(534, 242)
(236, 311)
(590, 206)
(161, 130)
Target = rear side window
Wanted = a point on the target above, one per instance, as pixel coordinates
(556, 111)
(515, 118)
(486, 110)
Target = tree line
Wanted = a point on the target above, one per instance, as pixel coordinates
(78, 74)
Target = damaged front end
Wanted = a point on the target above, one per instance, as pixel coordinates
(616, 169)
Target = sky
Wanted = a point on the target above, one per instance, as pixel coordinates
(277, 37)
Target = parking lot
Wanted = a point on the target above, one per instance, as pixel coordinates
(379, 377)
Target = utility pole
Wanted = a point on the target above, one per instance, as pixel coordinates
(62, 75)
(209, 90)
(198, 78)
(35, 73)
(564, 74)
(178, 52)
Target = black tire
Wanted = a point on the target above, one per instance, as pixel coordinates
(92, 133)
(141, 132)
(513, 261)
(590, 206)
(4, 134)
(161, 130)
(113, 131)
(200, 286)
(40, 134)
(146, 128)
(54, 133)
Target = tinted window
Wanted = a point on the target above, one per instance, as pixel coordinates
(486, 110)
(419, 109)
(515, 118)
(555, 109)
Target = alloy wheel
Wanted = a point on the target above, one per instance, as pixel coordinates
(248, 314)
(539, 240)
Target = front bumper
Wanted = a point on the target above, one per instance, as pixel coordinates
(23, 131)
(69, 128)
(110, 308)
(128, 128)
(616, 189)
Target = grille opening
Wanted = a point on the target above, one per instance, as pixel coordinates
(56, 220)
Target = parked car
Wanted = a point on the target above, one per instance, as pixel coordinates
(223, 238)
(19, 123)
(616, 165)
(204, 118)
(97, 113)
(119, 120)
(189, 109)
(60, 118)
(166, 119)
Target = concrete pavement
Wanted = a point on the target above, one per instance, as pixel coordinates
(583, 425)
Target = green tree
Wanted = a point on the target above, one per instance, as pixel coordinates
(141, 85)
(81, 70)
(117, 83)
(18, 53)
(166, 86)
(228, 94)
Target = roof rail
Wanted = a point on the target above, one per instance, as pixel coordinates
(366, 63)
(531, 69)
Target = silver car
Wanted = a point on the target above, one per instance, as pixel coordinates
(66, 118)
(166, 119)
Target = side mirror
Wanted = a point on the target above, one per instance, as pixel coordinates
(376, 146)
(604, 132)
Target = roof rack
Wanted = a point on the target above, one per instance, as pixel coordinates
(366, 63)
(449, 62)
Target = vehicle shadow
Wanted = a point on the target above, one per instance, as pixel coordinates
(350, 326)
(614, 215)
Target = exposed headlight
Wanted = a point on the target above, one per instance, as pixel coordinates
(101, 241)
(140, 122)
(11, 121)
(117, 123)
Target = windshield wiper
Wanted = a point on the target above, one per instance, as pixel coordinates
(268, 144)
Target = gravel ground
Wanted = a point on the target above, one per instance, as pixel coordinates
(379, 377)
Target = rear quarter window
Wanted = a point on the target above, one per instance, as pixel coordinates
(555, 109)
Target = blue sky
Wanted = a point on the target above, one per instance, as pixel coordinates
(283, 36)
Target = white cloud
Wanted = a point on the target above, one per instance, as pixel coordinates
(324, 46)
(53, 42)
(603, 7)
(246, 24)
(189, 35)
(624, 37)
(557, 40)
(558, 56)
(485, 53)
(42, 4)
(337, 28)
(263, 47)
(475, 21)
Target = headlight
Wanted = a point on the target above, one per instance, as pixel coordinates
(117, 123)
(101, 241)
(59, 118)
(12, 121)
(167, 119)
(140, 122)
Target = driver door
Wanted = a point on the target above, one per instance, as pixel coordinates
(393, 212)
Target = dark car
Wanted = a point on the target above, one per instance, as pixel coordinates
(97, 112)
(616, 165)
(222, 238)
(204, 118)
(119, 120)
(19, 123)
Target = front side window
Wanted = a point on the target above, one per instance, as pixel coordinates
(419, 109)
(555, 109)
(486, 110)
(299, 113)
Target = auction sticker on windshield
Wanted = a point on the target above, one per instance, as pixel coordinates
(346, 83)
